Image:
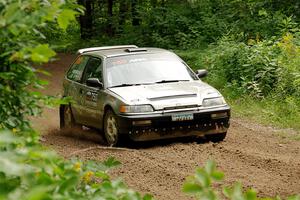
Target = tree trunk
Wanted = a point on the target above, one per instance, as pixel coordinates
(109, 28)
(86, 20)
(122, 12)
(134, 13)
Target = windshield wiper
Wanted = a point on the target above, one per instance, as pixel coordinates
(170, 81)
(124, 85)
(135, 84)
(130, 84)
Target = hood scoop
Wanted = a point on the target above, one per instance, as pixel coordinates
(172, 97)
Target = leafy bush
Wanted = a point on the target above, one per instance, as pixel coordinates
(20, 46)
(289, 76)
(29, 171)
(259, 68)
(200, 186)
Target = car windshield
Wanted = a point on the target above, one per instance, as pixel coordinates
(146, 69)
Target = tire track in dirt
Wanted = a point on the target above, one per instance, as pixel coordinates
(251, 154)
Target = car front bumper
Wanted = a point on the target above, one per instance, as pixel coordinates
(143, 127)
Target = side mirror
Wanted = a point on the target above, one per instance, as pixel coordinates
(201, 73)
(94, 82)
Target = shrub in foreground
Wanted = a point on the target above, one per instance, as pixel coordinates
(200, 186)
(31, 172)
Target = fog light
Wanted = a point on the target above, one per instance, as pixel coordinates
(141, 122)
(219, 115)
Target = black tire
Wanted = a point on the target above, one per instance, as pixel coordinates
(67, 121)
(110, 128)
(219, 137)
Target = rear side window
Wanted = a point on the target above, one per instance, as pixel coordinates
(76, 70)
(93, 69)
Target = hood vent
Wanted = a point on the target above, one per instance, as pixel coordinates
(172, 97)
(131, 50)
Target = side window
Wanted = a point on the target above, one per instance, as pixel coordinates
(75, 72)
(93, 69)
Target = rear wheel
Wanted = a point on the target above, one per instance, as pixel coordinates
(66, 118)
(111, 131)
(219, 137)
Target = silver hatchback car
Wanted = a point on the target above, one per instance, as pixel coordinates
(146, 93)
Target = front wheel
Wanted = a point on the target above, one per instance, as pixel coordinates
(111, 131)
(219, 137)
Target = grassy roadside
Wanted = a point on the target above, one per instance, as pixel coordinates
(266, 112)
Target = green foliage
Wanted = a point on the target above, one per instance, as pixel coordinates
(65, 17)
(252, 68)
(20, 46)
(259, 68)
(200, 186)
(29, 171)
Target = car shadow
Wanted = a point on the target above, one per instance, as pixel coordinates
(84, 135)
(93, 136)
(128, 143)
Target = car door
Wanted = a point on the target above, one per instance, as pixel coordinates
(73, 86)
(90, 95)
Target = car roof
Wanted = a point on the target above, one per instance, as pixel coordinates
(113, 51)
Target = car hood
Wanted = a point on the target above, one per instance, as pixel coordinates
(167, 95)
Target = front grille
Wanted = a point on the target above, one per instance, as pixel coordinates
(180, 107)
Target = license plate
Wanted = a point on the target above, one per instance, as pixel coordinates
(182, 117)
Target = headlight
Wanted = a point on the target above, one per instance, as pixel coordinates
(213, 102)
(136, 109)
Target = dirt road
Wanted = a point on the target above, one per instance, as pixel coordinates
(252, 154)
